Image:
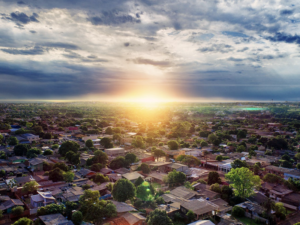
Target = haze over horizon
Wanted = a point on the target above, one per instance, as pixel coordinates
(146, 50)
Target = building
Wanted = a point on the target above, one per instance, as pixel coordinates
(8, 205)
(280, 171)
(30, 137)
(36, 164)
(41, 199)
(177, 166)
(114, 151)
(293, 174)
(55, 219)
(133, 176)
(129, 219)
(202, 208)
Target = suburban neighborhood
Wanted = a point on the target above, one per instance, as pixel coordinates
(196, 164)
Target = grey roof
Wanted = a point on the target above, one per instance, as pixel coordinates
(183, 192)
(132, 176)
(35, 161)
(176, 165)
(55, 219)
(10, 203)
(123, 207)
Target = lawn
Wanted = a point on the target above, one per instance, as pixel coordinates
(247, 221)
(156, 185)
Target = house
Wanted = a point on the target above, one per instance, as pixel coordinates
(106, 171)
(196, 174)
(122, 207)
(157, 177)
(20, 181)
(293, 174)
(275, 191)
(36, 164)
(129, 219)
(84, 157)
(72, 194)
(115, 151)
(55, 219)
(170, 209)
(122, 170)
(8, 205)
(202, 222)
(258, 198)
(133, 176)
(82, 173)
(253, 210)
(41, 199)
(184, 193)
(202, 208)
(160, 166)
(178, 167)
(280, 171)
(30, 137)
(17, 159)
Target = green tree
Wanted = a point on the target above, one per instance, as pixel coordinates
(96, 167)
(158, 153)
(173, 145)
(243, 181)
(203, 144)
(216, 188)
(77, 218)
(158, 217)
(30, 187)
(55, 146)
(117, 137)
(188, 185)
(89, 143)
(191, 216)
(21, 149)
(23, 221)
(213, 177)
(241, 148)
(61, 166)
(48, 152)
(138, 181)
(123, 190)
(69, 176)
(13, 141)
(238, 164)
(212, 137)
(100, 157)
(106, 142)
(100, 178)
(17, 210)
(130, 157)
(56, 175)
(280, 210)
(50, 209)
(175, 178)
(238, 211)
(138, 142)
(118, 162)
(142, 192)
(219, 158)
(93, 210)
(68, 146)
(33, 153)
(145, 168)
(109, 131)
(70, 206)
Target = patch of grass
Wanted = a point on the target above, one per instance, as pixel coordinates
(156, 185)
(247, 221)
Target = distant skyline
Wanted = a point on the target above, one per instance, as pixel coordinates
(149, 50)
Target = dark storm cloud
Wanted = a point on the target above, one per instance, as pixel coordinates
(21, 3)
(235, 59)
(113, 18)
(286, 12)
(151, 62)
(61, 45)
(22, 18)
(243, 49)
(283, 37)
(222, 48)
(37, 50)
(73, 55)
(126, 44)
(32, 31)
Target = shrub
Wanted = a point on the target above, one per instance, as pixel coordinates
(18, 210)
(238, 211)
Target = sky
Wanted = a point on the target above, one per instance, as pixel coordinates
(119, 50)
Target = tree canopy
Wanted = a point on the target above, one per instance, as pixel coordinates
(68, 146)
(123, 190)
(158, 217)
(243, 181)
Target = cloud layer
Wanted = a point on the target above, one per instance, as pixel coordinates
(219, 49)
